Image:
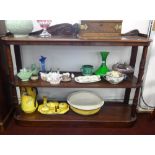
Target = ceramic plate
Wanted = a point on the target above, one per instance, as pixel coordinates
(87, 79)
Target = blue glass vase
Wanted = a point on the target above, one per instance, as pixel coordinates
(43, 63)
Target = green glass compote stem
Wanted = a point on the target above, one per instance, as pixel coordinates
(103, 69)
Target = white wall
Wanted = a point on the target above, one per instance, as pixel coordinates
(72, 57)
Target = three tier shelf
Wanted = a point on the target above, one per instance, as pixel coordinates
(112, 114)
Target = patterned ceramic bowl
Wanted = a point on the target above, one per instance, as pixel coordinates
(115, 77)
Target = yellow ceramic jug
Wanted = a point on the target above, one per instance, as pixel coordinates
(28, 100)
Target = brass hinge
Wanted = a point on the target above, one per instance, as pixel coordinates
(118, 27)
(84, 27)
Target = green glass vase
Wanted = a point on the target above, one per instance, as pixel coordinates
(103, 69)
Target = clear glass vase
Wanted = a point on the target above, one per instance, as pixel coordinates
(103, 69)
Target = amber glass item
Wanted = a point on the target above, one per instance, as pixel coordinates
(103, 69)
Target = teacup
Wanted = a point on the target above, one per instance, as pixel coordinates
(87, 69)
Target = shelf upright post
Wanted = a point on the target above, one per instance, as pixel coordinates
(18, 57)
(140, 76)
(11, 73)
(133, 57)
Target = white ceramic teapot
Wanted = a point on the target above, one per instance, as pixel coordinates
(54, 77)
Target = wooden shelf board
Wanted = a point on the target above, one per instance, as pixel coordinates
(112, 41)
(128, 83)
(111, 114)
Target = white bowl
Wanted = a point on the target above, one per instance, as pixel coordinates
(115, 79)
(85, 100)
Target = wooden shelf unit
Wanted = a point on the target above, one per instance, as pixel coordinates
(112, 114)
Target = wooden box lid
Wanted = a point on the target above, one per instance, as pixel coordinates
(100, 28)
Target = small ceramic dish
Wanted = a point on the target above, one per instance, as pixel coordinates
(43, 76)
(34, 77)
(66, 77)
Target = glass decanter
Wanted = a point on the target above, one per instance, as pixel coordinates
(45, 24)
(103, 69)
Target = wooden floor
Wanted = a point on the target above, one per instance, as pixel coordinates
(143, 126)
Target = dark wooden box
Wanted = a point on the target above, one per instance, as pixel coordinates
(98, 29)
